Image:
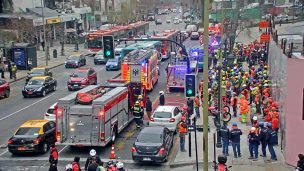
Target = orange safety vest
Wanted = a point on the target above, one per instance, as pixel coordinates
(234, 99)
(275, 123)
(181, 128)
(196, 102)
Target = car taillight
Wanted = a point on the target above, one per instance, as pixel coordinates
(84, 81)
(172, 120)
(161, 151)
(36, 141)
(59, 112)
(10, 141)
(58, 136)
(102, 136)
(69, 82)
(46, 114)
(152, 119)
(134, 150)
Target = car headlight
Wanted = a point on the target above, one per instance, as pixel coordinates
(76, 62)
(65, 62)
(39, 89)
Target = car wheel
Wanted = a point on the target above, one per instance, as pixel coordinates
(43, 93)
(54, 88)
(45, 148)
(107, 69)
(113, 136)
(7, 93)
(24, 96)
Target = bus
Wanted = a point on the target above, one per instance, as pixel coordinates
(94, 39)
(157, 45)
(141, 66)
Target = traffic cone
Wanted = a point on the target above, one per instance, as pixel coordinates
(112, 156)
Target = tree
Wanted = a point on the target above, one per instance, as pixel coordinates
(6, 4)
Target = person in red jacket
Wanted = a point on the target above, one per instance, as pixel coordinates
(275, 126)
(53, 159)
(75, 164)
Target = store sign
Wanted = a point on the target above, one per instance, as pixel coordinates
(53, 20)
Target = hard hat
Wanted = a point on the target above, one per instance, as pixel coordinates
(185, 108)
(119, 165)
(244, 85)
(183, 118)
(92, 152)
(273, 108)
(139, 96)
(234, 124)
(137, 102)
(255, 118)
(269, 124)
(252, 129)
(161, 92)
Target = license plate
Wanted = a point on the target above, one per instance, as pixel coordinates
(76, 85)
(146, 159)
(29, 92)
(21, 148)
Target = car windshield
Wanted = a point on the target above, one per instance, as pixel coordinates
(28, 131)
(79, 74)
(150, 138)
(73, 58)
(37, 71)
(36, 82)
(51, 111)
(162, 115)
(112, 60)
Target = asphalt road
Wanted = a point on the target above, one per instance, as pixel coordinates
(16, 110)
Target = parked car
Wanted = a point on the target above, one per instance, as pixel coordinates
(166, 116)
(75, 61)
(99, 58)
(33, 136)
(50, 114)
(158, 21)
(283, 17)
(194, 36)
(82, 77)
(175, 21)
(39, 86)
(168, 20)
(152, 144)
(38, 71)
(113, 64)
(4, 88)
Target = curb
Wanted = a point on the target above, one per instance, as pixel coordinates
(18, 79)
(188, 163)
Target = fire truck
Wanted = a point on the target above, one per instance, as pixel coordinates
(141, 66)
(99, 122)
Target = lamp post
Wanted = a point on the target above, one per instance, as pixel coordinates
(44, 35)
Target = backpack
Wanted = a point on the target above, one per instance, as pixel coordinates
(69, 167)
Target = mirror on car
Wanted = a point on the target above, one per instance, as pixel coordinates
(229, 166)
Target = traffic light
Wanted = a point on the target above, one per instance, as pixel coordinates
(108, 46)
(190, 85)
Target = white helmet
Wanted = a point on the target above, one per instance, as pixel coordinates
(119, 165)
(252, 129)
(255, 118)
(92, 152)
(161, 92)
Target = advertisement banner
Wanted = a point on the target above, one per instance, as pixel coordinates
(19, 57)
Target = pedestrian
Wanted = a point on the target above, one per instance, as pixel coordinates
(234, 103)
(42, 44)
(93, 166)
(93, 155)
(197, 106)
(9, 68)
(262, 137)
(161, 98)
(148, 107)
(224, 134)
(76, 164)
(14, 71)
(253, 140)
(53, 159)
(300, 163)
(270, 139)
(275, 126)
(235, 138)
(182, 128)
(2, 68)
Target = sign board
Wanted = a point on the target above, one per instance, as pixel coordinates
(53, 20)
(135, 73)
(191, 128)
(37, 22)
(263, 24)
(264, 37)
(19, 57)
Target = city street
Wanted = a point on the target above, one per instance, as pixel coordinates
(16, 110)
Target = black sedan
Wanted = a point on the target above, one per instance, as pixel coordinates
(75, 61)
(39, 86)
(152, 144)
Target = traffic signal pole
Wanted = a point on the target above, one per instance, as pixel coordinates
(205, 20)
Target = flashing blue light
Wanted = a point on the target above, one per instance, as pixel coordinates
(194, 53)
(142, 64)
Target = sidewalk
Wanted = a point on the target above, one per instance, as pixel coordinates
(52, 63)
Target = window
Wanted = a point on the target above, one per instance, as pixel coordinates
(162, 114)
(150, 138)
(176, 111)
(28, 131)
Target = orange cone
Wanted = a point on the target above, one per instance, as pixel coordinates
(112, 156)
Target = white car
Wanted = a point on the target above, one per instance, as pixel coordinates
(166, 116)
(50, 113)
(283, 17)
(168, 21)
(176, 21)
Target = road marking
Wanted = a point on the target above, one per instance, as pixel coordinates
(4, 152)
(50, 95)
(62, 149)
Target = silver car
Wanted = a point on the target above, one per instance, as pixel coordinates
(50, 113)
(166, 116)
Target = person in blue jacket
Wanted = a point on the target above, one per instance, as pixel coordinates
(235, 138)
(253, 140)
(271, 137)
(224, 134)
(262, 136)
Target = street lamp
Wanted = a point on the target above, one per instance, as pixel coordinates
(76, 35)
(44, 35)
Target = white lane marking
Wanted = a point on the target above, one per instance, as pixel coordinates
(3, 152)
(50, 95)
(62, 149)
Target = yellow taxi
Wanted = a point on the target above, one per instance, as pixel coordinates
(38, 71)
(33, 136)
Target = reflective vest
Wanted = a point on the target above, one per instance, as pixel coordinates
(196, 102)
(181, 128)
(136, 110)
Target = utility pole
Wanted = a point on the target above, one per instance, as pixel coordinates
(205, 20)
(44, 36)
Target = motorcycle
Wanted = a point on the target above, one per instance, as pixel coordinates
(221, 165)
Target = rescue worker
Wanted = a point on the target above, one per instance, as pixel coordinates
(93, 166)
(234, 103)
(197, 106)
(235, 138)
(270, 139)
(262, 137)
(244, 109)
(76, 164)
(140, 100)
(255, 122)
(14, 71)
(300, 162)
(148, 108)
(53, 159)
(137, 112)
(161, 98)
(275, 126)
(92, 156)
(182, 128)
(253, 141)
(224, 134)
(253, 114)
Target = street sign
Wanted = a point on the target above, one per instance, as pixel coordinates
(53, 20)
(265, 37)
(263, 24)
(191, 128)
